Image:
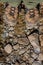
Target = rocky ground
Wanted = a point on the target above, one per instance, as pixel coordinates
(21, 39)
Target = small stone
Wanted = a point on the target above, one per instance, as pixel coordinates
(16, 63)
(27, 32)
(11, 23)
(37, 50)
(41, 40)
(10, 39)
(10, 34)
(6, 34)
(8, 48)
(30, 25)
(31, 38)
(34, 42)
(26, 56)
(40, 57)
(16, 47)
(7, 59)
(23, 41)
(41, 29)
(11, 28)
(31, 60)
(42, 49)
(36, 63)
(21, 46)
(41, 21)
(28, 51)
(22, 51)
(23, 64)
(15, 39)
(33, 55)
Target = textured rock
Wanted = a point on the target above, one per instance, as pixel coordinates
(23, 41)
(8, 48)
(34, 42)
(16, 63)
(33, 55)
(23, 64)
(15, 39)
(41, 49)
(40, 57)
(37, 50)
(16, 47)
(11, 29)
(26, 56)
(31, 60)
(41, 29)
(10, 34)
(41, 21)
(41, 40)
(22, 51)
(36, 63)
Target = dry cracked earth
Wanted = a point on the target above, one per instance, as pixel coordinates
(21, 38)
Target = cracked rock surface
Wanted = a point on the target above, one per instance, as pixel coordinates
(21, 41)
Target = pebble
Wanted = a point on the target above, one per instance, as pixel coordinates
(40, 57)
(23, 64)
(41, 49)
(8, 48)
(16, 47)
(23, 41)
(41, 29)
(41, 40)
(10, 34)
(6, 34)
(11, 28)
(26, 56)
(36, 63)
(30, 25)
(7, 59)
(22, 51)
(15, 39)
(16, 63)
(31, 60)
(41, 21)
(34, 44)
(37, 50)
(33, 55)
